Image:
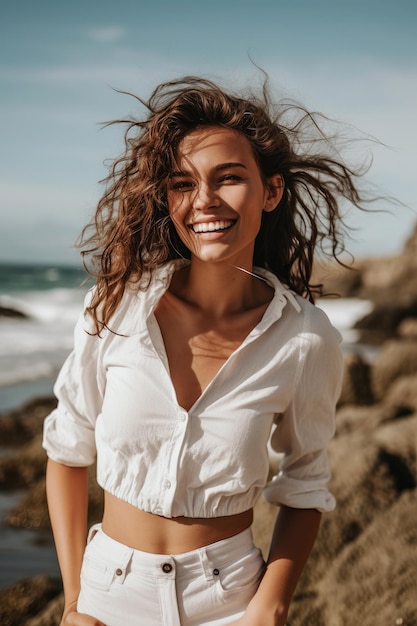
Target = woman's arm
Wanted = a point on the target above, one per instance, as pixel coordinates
(293, 538)
(67, 493)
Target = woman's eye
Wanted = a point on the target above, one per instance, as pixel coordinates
(230, 178)
(181, 185)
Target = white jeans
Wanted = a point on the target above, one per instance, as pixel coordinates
(208, 586)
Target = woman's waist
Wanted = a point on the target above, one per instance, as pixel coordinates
(155, 534)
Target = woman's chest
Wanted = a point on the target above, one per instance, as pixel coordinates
(194, 360)
(197, 349)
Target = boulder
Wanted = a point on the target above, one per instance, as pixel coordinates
(396, 359)
(32, 512)
(21, 425)
(363, 419)
(50, 615)
(27, 598)
(382, 323)
(362, 568)
(6, 311)
(382, 277)
(356, 386)
(371, 581)
(407, 329)
(401, 398)
(25, 467)
(344, 281)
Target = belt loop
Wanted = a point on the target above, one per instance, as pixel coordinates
(122, 565)
(205, 564)
(92, 532)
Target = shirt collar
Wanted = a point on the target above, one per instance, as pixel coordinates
(282, 293)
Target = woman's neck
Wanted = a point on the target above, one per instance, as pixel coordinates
(220, 289)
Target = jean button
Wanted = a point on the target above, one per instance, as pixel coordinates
(167, 568)
(119, 572)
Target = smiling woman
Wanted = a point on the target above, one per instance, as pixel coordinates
(199, 346)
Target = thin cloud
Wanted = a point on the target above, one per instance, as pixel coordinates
(71, 74)
(29, 200)
(147, 71)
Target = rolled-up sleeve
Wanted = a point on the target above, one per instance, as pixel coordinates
(69, 431)
(302, 432)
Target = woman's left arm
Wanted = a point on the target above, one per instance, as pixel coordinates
(301, 434)
(293, 538)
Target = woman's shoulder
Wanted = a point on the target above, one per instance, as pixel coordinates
(305, 316)
(284, 294)
(316, 321)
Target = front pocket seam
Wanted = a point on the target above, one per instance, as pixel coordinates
(97, 574)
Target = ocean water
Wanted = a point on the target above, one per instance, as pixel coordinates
(33, 348)
(51, 297)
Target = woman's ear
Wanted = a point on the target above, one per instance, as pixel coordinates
(275, 189)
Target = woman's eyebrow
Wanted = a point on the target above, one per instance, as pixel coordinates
(178, 174)
(225, 166)
(218, 168)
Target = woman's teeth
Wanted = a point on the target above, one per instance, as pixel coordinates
(211, 227)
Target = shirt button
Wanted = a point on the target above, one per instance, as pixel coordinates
(167, 484)
(167, 568)
(119, 572)
(182, 417)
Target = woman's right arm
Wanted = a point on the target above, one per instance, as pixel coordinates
(67, 493)
(69, 441)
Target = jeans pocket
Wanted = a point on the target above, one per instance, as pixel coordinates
(96, 573)
(241, 576)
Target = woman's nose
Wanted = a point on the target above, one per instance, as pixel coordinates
(205, 197)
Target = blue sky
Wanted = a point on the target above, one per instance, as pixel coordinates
(355, 61)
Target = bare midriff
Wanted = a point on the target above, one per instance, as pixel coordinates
(161, 535)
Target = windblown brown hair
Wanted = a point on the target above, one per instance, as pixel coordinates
(132, 234)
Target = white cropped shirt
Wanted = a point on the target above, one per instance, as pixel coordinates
(116, 400)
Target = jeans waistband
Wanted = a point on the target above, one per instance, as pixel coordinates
(207, 558)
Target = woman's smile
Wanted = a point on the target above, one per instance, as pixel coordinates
(212, 227)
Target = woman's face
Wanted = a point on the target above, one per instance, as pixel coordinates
(216, 196)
